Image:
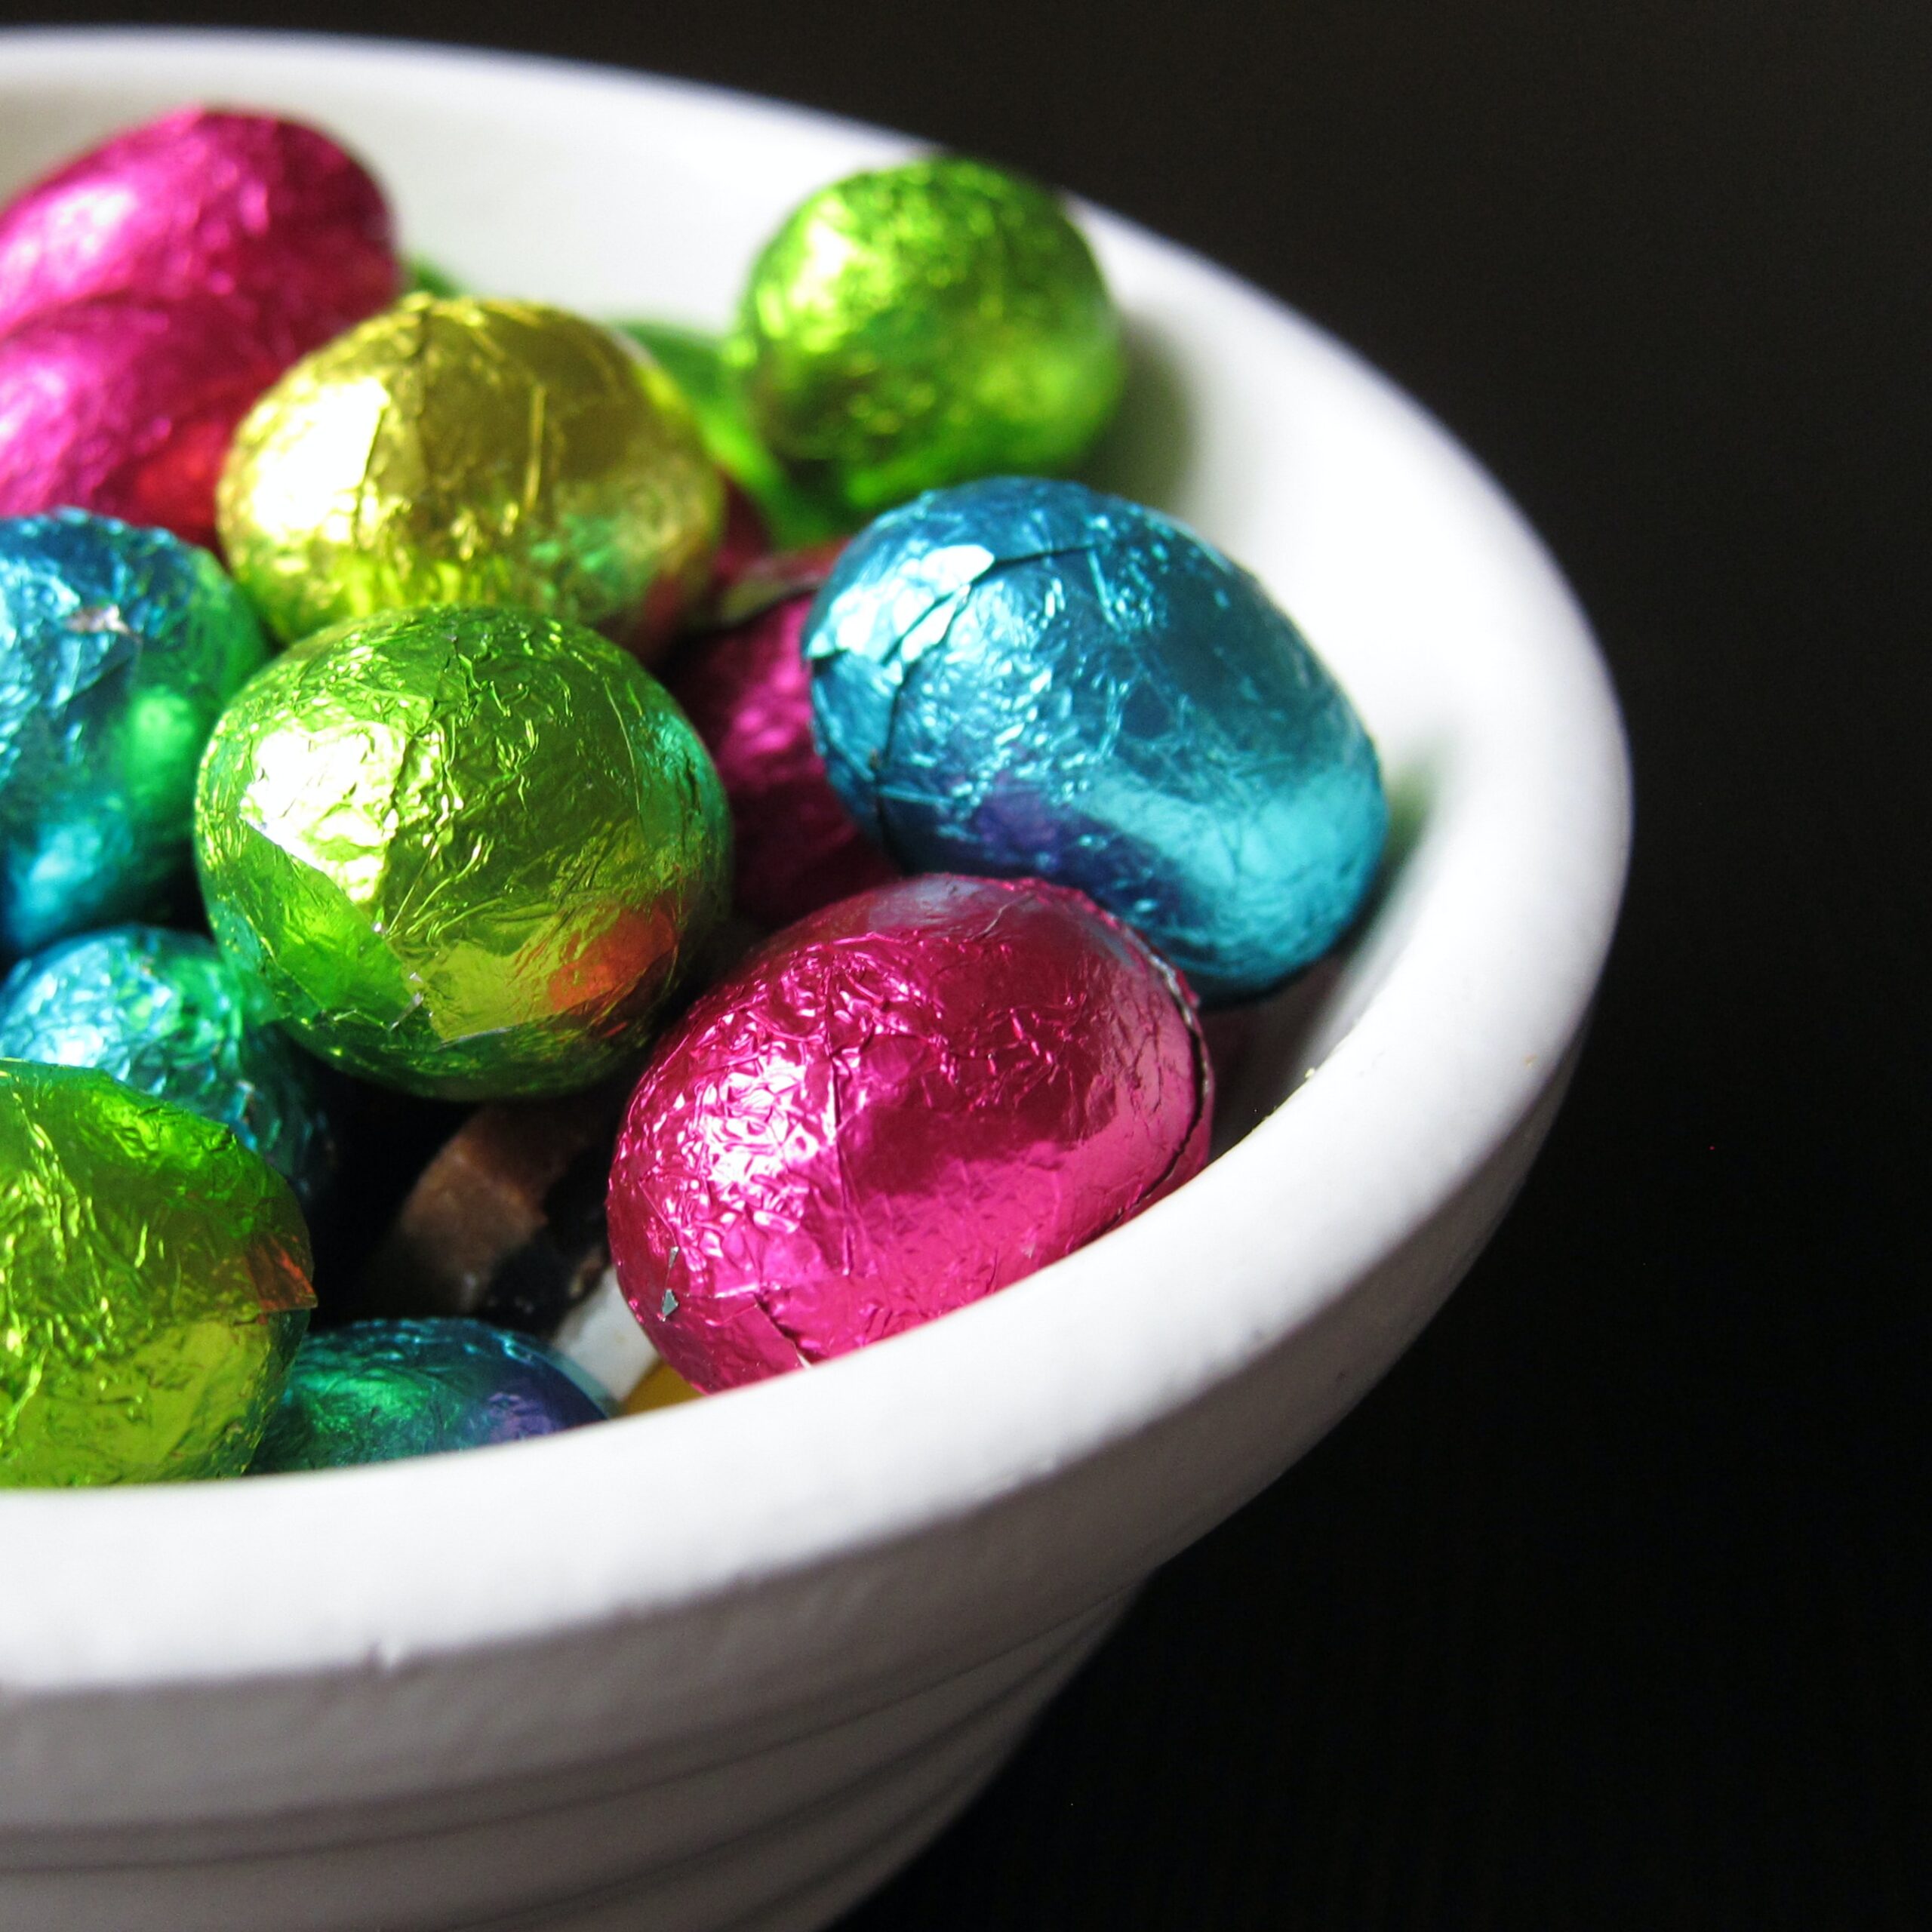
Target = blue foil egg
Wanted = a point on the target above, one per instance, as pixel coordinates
(118, 647)
(1023, 677)
(164, 1012)
(376, 1392)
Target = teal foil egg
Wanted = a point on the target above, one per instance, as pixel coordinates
(376, 1392)
(165, 1012)
(118, 647)
(1024, 677)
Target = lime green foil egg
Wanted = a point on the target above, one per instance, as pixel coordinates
(154, 1284)
(469, 852)
(457, 450)
(923, 325)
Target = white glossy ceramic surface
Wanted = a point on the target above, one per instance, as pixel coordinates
(727, 1664)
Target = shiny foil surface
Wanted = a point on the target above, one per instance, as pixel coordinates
(127, 406)
(923, 324)
(457, 450)
(1028, 678)
(376, 1392)
(907, 1100)
(154, 1282)
(747, 690)
(200, 204)
(165, 1012)
(713, 386)
(118, 647)
(469, 852)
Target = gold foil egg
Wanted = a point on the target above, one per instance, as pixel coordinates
(458, 450)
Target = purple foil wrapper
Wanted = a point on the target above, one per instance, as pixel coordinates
(748, 691)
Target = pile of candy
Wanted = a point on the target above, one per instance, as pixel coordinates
(580, 1114)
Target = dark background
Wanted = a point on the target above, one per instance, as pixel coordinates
(1612, 1606)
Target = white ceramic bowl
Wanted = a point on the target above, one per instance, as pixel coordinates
(727, 1666)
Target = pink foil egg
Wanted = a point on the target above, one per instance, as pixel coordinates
(199, 203)
(905, 1102)
(127, 408)
(748, 691)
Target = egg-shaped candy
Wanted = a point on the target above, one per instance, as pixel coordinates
(919, 325)
(128, 407)
(376, 1392)
(746, 690)
(200, 203)
(118, 647)
(154, 1282)
(1028, 678)
(165, 1012)
(459, 450)
(469, 852)
(896, 1107)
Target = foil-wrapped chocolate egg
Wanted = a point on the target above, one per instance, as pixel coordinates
(165, 1012)
(118, 647)
(469, 851)
(376, 1392)
(1029, 679)
(460, 450)
(127, 407)
(200, 203)
(154, 1282)
(920, 325)
(901, 1103)
(747, 690)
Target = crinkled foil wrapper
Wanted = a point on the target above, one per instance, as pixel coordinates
(1028, 678)
(923, 324)
(903, 1103)
(119, 648)
(201, 203)
(128, 407)
(469, 852)
(748, 692)
(165, 1012)
(455, 450)
(154, 1284)
(376, 1392)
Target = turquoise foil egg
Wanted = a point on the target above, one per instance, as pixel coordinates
(165, 1012)
(118, 647)
(1025, 678)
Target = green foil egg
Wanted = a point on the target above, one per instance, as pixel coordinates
(469, 852)
(454, 450)
(154, 1284)
(923, 325)
(376, 1392)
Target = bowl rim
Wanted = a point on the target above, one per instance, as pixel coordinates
(1482, 976)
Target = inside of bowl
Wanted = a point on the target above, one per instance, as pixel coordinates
(660, 218)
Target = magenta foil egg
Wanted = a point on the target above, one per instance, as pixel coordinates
(748, 691)
(127, 408)
(199, 203)
(905, 1102)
